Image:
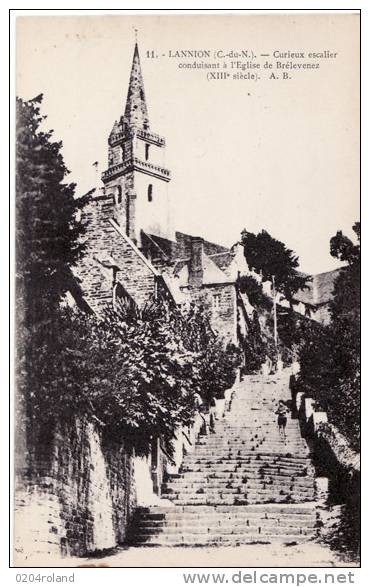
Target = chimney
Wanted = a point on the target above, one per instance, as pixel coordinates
(196, 262)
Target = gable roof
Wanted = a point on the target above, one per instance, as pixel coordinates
(222, 260)
(212, 274)
(159, 245)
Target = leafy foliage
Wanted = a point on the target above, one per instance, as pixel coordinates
(294, 330)
(254, 342)
(216, 366)
(249, 285)
(271, 258)
(256, 346)
(48, 244)
(330, 359)
(48, 233)
(132, 373)
(259, 342)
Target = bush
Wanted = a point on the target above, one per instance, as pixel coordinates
(136, 374)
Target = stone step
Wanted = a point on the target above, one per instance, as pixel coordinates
(234, 499)
(254, 460)
(255, 474)
(251, 456)
(215, 484)
(240, 477)
(228, 498)
(238, 466)
(268, 509)
(269, 447)
(219, 540)
(257, 489)
(260, 473)
(241, 480)
(243, 434)
(208, 470)
(222, 530)
(238, 500)
(286, 456)
(226, 431)
(230, 465)
(244, 439)
(299, 451)
(217, 520)
(255, 453)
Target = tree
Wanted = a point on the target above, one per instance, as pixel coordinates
(216, 367)
(344, 401)
(330, 358)
(48, 244)
(135, 372)
(271, 258)
(47, 231)
(249, 285)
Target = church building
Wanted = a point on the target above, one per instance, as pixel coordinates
(133, 250)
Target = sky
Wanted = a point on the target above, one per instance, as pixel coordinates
(280, 155)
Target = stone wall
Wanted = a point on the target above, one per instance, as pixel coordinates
(75, 495)
(223, 311)
(111, 257)
(332, 455)
(336, 460)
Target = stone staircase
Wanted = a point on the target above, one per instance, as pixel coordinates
(241, 485)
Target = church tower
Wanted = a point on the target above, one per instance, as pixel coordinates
(136, 175)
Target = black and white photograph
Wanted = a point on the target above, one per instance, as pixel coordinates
(187, 290)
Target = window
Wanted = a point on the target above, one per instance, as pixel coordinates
(146, 151)
(119, 195)
(216, 302)
(150, 192)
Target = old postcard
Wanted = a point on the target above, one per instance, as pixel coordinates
(187, 290)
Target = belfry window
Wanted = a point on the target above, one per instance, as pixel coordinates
(146, 151)
(150, 192)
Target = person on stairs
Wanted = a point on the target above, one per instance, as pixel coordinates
(282, 412)
(212, 416)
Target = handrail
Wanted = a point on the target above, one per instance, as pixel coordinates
(166, 454)
(187, 438)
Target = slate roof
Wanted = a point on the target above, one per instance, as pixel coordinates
(175, 256)
(222, 260)
(212, 274)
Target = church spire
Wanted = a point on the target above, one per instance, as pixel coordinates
(136, 112)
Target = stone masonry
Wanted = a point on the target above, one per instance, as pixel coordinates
(77, 497)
